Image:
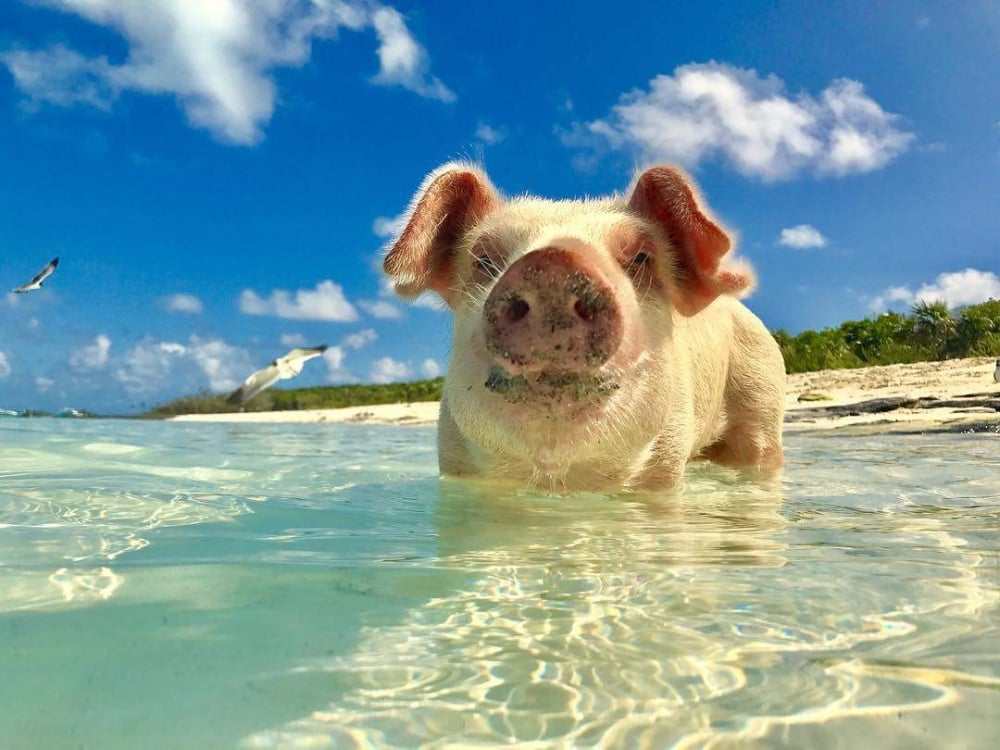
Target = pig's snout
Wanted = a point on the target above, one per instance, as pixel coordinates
(550, 311)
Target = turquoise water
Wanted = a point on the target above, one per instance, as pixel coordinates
(210, 586)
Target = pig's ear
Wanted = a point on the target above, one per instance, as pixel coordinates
(665, 197)
(452, 199)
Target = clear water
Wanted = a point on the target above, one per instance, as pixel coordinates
(212, 586)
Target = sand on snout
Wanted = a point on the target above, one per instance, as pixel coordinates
(967, 386)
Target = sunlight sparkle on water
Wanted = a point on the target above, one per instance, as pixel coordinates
(317, 585)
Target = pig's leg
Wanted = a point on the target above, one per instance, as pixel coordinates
(454, 458)
(754, 401)
(663, 468)
(751, 444)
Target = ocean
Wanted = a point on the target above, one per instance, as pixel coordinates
(187, 585)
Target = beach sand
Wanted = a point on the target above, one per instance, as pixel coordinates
(951, 394)
(418, 413)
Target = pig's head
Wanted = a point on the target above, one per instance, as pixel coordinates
(564, 310)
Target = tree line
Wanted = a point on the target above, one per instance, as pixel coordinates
(320, 397)
(929, 332)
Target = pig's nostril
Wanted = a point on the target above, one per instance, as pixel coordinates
(517, 309)
(585, 310)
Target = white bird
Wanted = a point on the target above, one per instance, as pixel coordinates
(40, 277)
(280, 369)
(996, 373)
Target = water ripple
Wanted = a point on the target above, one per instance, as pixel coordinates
(856, 599)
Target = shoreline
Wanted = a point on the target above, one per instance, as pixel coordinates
(416, 413)
(947, 394)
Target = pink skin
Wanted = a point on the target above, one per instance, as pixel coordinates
(552, 352)
(550, 312)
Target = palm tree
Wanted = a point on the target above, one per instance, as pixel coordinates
(933, 326)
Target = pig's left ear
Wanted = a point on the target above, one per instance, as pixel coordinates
(452, 200)
(665, 197)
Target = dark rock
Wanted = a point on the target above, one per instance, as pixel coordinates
(883, 405)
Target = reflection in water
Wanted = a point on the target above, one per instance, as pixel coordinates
(86, 585)
(639, 622)
(851, 603)
(80, 527)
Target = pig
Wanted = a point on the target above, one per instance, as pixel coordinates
(596, 343)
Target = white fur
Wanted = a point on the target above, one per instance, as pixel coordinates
(689, 385)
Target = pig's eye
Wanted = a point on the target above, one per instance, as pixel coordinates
(640, 262)
(486, 266)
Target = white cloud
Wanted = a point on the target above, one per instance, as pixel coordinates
(360, 339)
(968, 287)
(430, 368)
(490, 135)
(388, 370)
(220, 362)
(380, 308)
(390, 227)
(93, 356)
(183, 303)
(335, 356)
(152, 366)
(146, 366)
(216, 58)
(716, 111)
(325, 302)
(801, 237)
(890, 295)
(293, 339)
(404, 62)
(336, 371)
(4, 366)
(60, 76)
(42, 383)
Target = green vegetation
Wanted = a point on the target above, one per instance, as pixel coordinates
(929, 332)
(326, 397)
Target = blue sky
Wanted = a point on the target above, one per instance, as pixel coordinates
(218, 177)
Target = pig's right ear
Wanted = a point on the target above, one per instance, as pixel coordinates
(452, 199)
(666, 197)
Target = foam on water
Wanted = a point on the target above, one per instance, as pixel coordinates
(173, 584)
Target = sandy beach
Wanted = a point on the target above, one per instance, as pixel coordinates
(952, 393)
(419, 413)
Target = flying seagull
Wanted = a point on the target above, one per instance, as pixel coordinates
(280, 369)
(40, 277)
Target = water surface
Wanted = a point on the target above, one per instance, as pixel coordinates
(256, 586)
